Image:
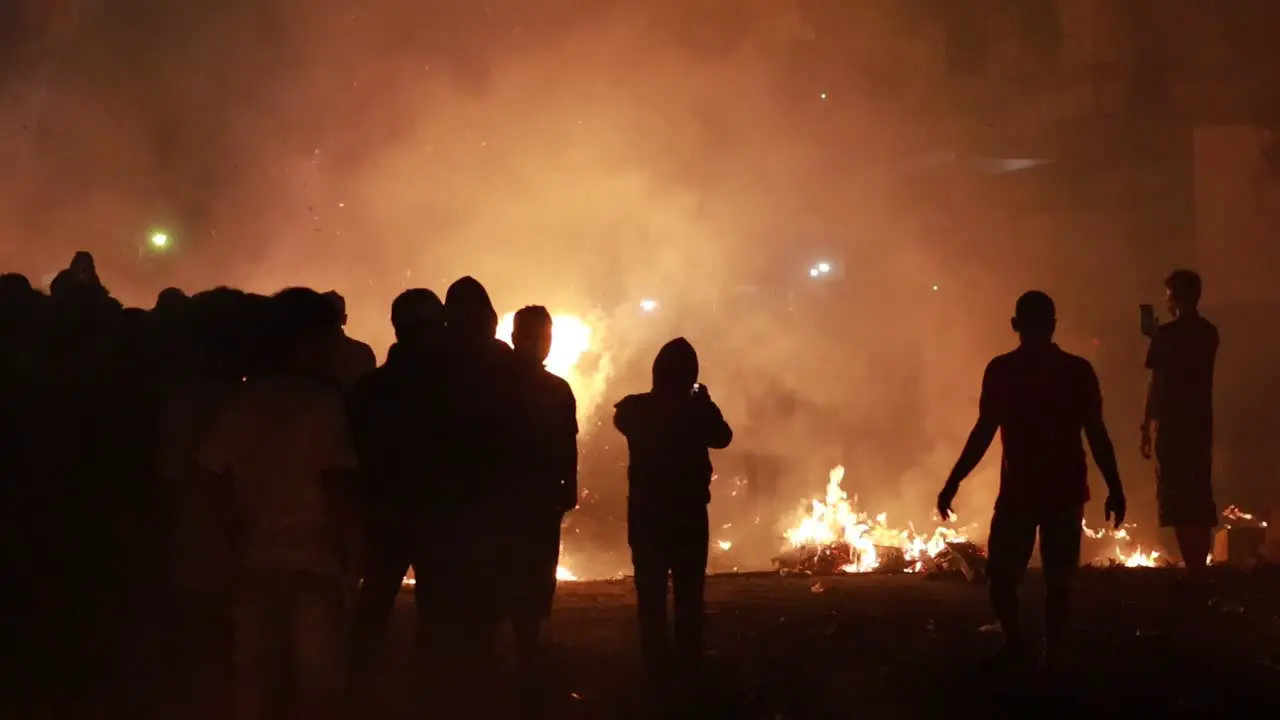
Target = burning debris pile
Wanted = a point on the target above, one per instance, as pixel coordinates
(836, 538)
(1126, 552)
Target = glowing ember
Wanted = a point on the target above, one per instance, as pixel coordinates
(1235, 514)
(563, 574)
(835, 523)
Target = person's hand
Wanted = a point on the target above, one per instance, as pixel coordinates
(1116, 508)
(945, 498)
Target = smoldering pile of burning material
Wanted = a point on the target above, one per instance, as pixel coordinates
(833, 537)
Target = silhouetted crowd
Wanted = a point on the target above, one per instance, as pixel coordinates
(234, 468)
(234, 473)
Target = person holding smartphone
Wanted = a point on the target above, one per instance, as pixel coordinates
(1177, 429)
(669, 431)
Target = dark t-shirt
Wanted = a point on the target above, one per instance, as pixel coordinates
(1041, 400)
(547, 437)
(1181, 357)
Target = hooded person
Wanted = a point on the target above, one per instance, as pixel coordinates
(669, 432)
(467, 523)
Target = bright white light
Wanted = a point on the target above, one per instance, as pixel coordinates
(824, 268)
(648, 305)
(935, 288)
(159, 241)
(822, 96)
(813, 272)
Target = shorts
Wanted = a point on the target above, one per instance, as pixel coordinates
(1184, 484)
(1013, 539)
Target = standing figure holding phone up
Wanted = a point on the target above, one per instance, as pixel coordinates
(1177, 430)
(669, 431)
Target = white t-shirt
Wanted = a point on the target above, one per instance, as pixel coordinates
(274, 442)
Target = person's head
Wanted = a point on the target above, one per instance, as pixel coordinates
(417, 314)
(338, 307)
(1182, 292)
(469, 312)
(14, 285)
(1035, 318)
(675, 369)
(171, 299)
(303, 325)
(82, 266)
(531, 333)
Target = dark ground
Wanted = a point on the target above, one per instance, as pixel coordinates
(896, 646)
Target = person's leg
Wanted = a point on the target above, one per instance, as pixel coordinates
(1060, 535)
(652, 568)
(1184, 491)
(388, 562)
(688, 581)
(532, 605)
(317, 644)
(1009, 547)
(256, 647)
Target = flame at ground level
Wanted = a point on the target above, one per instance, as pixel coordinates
(836, 521)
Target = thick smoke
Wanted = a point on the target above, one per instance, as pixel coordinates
(582, 156)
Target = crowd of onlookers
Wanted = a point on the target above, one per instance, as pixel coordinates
(232, 472)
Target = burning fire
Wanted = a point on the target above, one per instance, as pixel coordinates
(836, 521)
(572, 339)
(1127, 553)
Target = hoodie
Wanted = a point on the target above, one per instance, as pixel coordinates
(669, 431)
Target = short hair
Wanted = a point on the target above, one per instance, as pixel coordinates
(1184, 286)
(530, 321)
(298, 315)
(337, 302)
(414, 307)
(1035, 311)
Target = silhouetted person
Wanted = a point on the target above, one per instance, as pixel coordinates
(468, 524)
(1040, 398)
(352, 359)
(282, 450)
(669, 431)
(546, 484)
(395, 413)
(1178, 426)
(79, 283)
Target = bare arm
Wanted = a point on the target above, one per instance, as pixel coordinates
(980, 437)
(1155, 383)
(1095, 432)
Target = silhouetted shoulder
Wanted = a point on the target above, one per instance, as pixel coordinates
(999, 366)
(628, 412)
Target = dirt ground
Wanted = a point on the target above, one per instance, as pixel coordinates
(900, 647)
